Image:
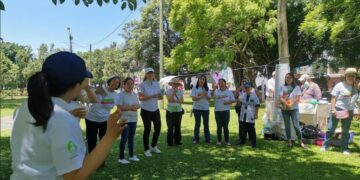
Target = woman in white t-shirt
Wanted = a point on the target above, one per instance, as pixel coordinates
(201, 95)
(128, 103)
(290, 94)
(46, 140)
(223, 99)
(344, 97)
(149, 94)
(96, 118)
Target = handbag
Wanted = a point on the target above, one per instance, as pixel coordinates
(342, 114)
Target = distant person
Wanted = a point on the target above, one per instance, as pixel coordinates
(238, 92)
(357, 109)
(269, 103)
(289, 98)
(200, 95)
(310, 90)
(249, 113)
(343, 101)
(46, 140)
(149, 94)
(223, 99)
(174, 112)
(128, 103)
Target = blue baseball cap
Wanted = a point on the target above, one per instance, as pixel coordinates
(247, 84)
(65, 68)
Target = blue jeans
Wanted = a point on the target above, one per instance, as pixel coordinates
(222, 121)
(128, 134)
(205, 115)
(294, 116)
(345, 127)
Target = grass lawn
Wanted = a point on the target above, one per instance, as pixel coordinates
(8, 105)
(271, 160)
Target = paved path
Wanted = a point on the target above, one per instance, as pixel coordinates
(6, 122)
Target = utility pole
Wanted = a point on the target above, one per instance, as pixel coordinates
(161, 47)
(283, 67)
(70, 39)
(161, 37)
(283, 33)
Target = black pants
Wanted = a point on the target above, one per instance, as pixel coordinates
(248, 128)
(147, 117)
(173, 121)
(93, 130)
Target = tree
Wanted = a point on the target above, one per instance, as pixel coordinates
(219, 32)
(336, 22)
(9, 73)
(142, 37)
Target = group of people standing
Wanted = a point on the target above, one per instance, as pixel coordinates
(46, 138)
(345, 103)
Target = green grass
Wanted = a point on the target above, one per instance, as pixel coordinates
(271, 160)
(8, 105)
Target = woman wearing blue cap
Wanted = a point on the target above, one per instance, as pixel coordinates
(249, 113)
(46, 140)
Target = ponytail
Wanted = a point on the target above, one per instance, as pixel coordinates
(39, 103)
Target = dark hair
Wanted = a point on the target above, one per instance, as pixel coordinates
(128, 79)
(222, 79)
(40, 91)
(111, 79)
(294, 82)
(205, 83)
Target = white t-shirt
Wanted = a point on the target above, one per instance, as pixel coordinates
(288, 92)
(357, 107)
(126, 98)
(248, 106)
(100, 111)
(346, 96)
(222, 96)
(203, 103)
(172, 106)
(270, 86)
(150, 88)
(46, 155)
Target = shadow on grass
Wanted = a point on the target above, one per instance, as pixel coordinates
(271, 160)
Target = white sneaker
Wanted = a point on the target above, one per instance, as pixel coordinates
(134, 158)
(123, 161)
(155, 149)
(322, 149)
(218, 143)
(148, 153)
(346, 152)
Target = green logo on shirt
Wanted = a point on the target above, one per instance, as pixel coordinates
(71, 147)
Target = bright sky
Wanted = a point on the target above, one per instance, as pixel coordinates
(39, 21)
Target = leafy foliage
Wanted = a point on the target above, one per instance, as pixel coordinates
(142, 37)
(336, 22)
(219, 32)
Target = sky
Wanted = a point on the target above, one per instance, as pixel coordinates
(33, 22)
